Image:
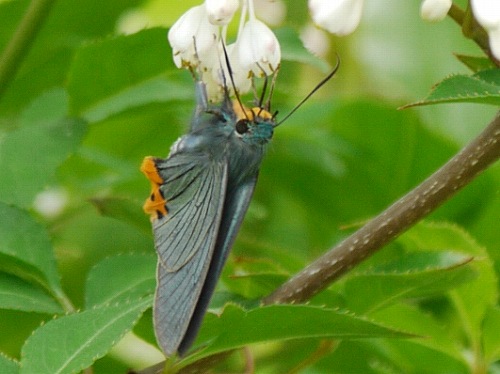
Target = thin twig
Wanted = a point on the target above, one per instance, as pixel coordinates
(434, 191)
(472, 29)
(19, 45)
(456, 14)
(325, 347)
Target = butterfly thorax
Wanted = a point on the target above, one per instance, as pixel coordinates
(232, 133)
(250, 131)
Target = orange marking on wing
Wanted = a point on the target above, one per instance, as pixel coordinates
(148, 167)
(155, 205)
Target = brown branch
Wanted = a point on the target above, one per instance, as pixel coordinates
(434, 191)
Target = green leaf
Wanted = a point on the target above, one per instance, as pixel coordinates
(8, 365)
(475, 63)
(482, 88)
(235, 327)
(71, 343)
(474, 298)
(491, 337)
(68, 26)
(412, 275)
(256, 286)
(26, 251)
(30, 154)
(435, 334)
(121, 278)
(17, 294)
(122, 72)
(409, 356)
(124, 210)
(253, 278)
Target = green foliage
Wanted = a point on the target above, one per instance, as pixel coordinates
(482, 87)
(72, 343)
(120, 278)
(42, 142)
(87, 105)
(27, 254)
(8, 366)
(235, 328)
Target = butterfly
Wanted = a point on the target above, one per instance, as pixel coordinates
(199, 196)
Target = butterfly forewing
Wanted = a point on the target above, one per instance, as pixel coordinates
(194, 189)
(185, 238)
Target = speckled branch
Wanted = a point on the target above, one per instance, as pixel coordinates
(434, 191)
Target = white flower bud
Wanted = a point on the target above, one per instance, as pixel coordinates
(435, 10)
(487, 13)
(340, 17)
(258, 48)
(193, 29)
(315, 40)
(215, 91)
(494, 36)
(220, 12)
(272, 12)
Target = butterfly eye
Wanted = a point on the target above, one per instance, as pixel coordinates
(241, 126)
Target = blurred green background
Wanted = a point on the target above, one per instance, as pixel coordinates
(343, 157)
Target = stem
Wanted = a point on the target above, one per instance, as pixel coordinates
(251, 10)
(325, 347)
(456, 14)
(418, 203)
(66, 303)
(471, 29)
(19, 45)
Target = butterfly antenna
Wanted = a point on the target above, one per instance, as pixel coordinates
(271, 89)
(224, 82)
(264, 87)
(230, 71)
(318, 86)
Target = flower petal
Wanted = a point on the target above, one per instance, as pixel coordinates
(435, 10)
(340, 17)
(258, 48)
(220, 12)
(487, 13)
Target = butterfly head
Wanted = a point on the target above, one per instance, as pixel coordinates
(253, 126)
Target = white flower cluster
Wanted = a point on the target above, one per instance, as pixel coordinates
(196, 37)
(486, 12)
(196, 42)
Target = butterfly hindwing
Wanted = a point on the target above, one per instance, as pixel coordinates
(194, 189)
(235, 206)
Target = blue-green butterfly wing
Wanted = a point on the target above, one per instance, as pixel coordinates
(235, 206)
(194, 188)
